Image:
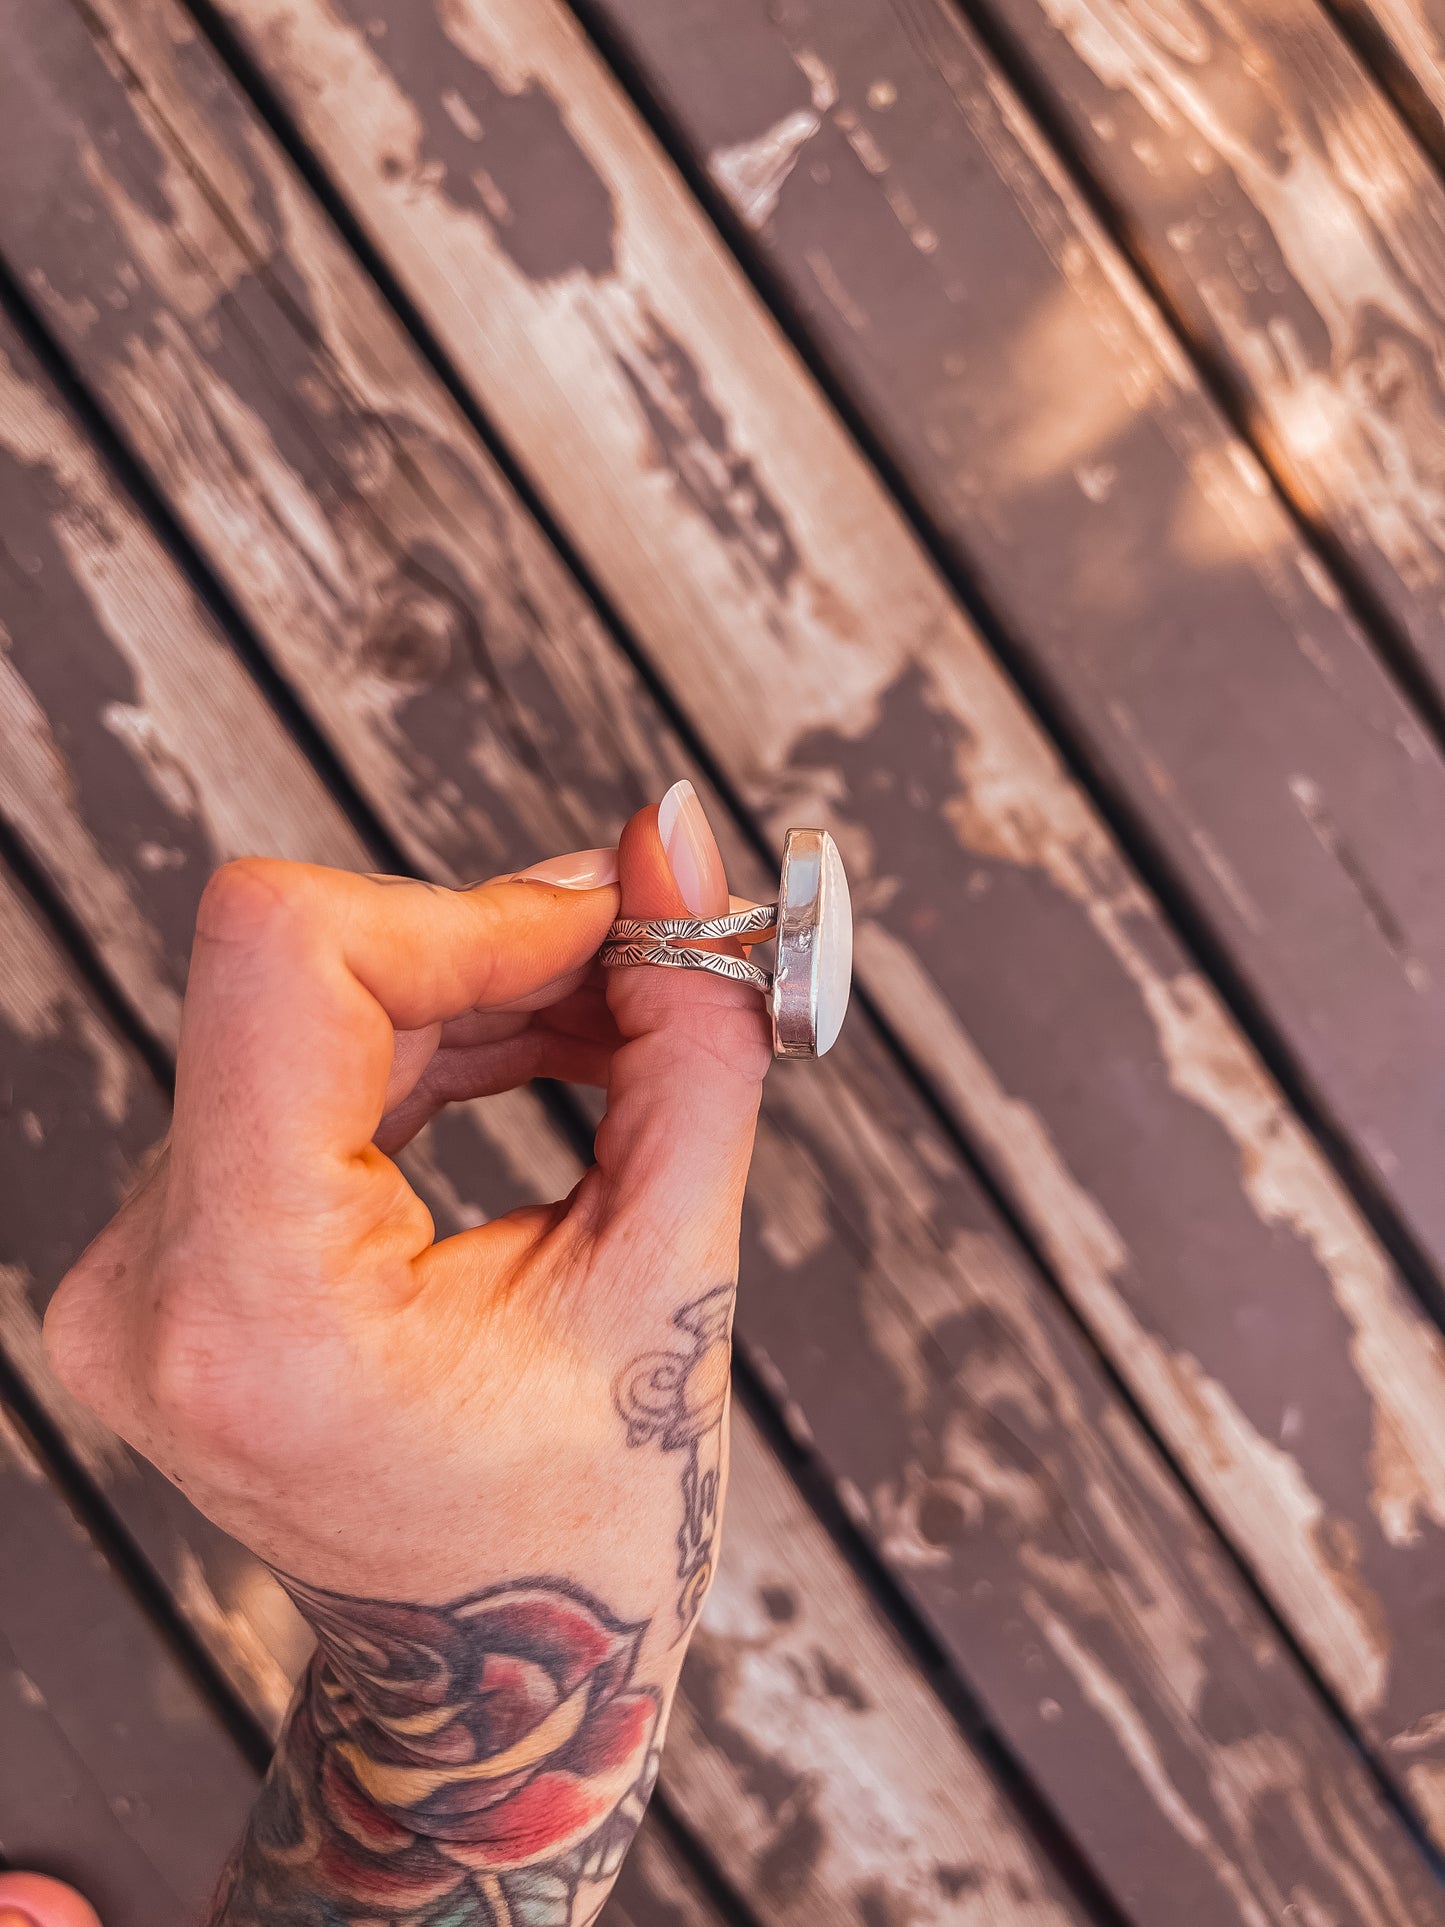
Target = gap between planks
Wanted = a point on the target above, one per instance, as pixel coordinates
(584, 814)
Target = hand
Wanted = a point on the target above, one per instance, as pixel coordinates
(488, 1468)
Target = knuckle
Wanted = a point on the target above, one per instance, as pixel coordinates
(210, 1389)
(724, 1024)
(85, 1327)
(83, 1349)
(191, 1380)
(739, 1037)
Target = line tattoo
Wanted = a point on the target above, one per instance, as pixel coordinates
(679, 1399)
(482, 1764)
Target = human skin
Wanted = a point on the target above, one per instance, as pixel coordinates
(488, 1468)
(32, 1900)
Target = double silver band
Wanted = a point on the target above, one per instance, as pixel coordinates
(813, 928)
(665, 940)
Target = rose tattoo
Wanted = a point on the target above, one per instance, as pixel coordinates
(458, 1766)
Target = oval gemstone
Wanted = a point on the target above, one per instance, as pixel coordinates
(834, 961)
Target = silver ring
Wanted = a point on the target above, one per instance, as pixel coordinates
(812, 920)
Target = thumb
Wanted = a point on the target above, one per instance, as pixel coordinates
(682, 1099)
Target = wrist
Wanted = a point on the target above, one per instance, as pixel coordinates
(499, 1744)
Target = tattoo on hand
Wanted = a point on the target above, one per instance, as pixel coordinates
(679, 1399)
(473, 1765)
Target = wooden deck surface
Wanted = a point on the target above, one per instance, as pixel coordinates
(1010, 433)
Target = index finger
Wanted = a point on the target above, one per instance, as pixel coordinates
(300, 976)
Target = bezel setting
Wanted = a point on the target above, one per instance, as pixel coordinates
(810, 919)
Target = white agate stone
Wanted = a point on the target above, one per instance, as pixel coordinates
(834, 958)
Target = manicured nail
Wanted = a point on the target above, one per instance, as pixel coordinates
(582, 870)
(692, 851)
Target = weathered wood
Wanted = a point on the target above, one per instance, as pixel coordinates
(654, 1890)
(1293, 223)
(1071, 460)
(1157, 1780)
(360, 528)
(115, 1773)
(1413, 33)
(1196, 1227)
(769, 1625)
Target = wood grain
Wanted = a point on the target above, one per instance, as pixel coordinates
(878, 1260)
(1298, 231)
(1194, 1224)
(654, 1890)
(79, 1114)
(115, 1774)
(770, 1629)
(1070, 459)
(361, 529)
(1413, 32)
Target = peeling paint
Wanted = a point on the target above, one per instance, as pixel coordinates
(851, 1761)
(1327, 186)
(1328, 1598)
(674, 572)
(1398, 1358)
(1104, 1695)
(195, 274)
(192, 705)
(41, 1010)
(754, 172)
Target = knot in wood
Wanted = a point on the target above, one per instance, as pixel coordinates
(419, 629)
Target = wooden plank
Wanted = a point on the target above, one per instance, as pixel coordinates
(654, 1890)
(1069, 458)
(1196, 1227)
(769, 1623)
(1413, 32)
(78, 1116)
(945, 1812)
(407, 599)
(872, 1253)
(1296, 228)
(115, 1773)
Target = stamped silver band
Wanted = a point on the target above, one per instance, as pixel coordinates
(665, 940)
(807, 994)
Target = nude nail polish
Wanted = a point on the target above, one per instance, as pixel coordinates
(582, 870)
(691, 849)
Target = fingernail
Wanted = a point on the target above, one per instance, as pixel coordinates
(11, 1917)
(582, 870)
(692, 850)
